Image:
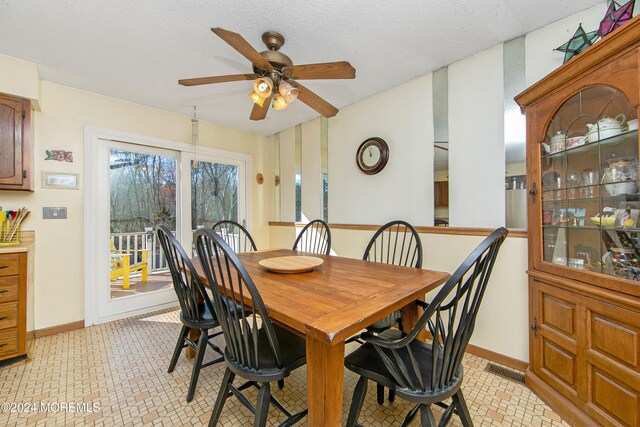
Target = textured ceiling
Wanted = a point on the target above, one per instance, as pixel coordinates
(137, 50)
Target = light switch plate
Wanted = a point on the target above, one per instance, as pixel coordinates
(54, 213)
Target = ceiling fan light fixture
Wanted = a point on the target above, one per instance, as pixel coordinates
(263, 87)
(256, 98)
(279, 103)
(288, 92)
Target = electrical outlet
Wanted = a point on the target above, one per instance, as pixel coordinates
(54, 213)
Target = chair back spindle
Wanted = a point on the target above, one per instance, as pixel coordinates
(397, 243)
(315, 238)
(235, 235)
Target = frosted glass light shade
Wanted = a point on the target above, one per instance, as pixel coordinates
(256, 98)
(279, 103)
(263, 87)
(288, 92)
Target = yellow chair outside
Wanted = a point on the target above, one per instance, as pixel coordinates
(121, 264)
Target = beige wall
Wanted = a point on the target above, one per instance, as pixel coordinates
(20, 78)
(404, 188)
(59, 287)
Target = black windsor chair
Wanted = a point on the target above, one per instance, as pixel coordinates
(236, 236)
(315, 238)
(429, 373)
(196, 308)
(397, 243)
(256, 350)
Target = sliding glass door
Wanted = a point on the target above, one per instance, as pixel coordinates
(146, 186)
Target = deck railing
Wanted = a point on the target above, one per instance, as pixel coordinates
(149, 240)
(142, 240)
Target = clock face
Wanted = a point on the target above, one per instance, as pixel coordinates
(372, 155)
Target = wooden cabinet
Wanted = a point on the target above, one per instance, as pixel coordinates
(13, 305)
(441, 193)
(15, 148)
(588, 350)
(584, 233)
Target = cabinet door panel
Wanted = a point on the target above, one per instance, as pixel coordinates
(560, 364)
(559, 315)
(10, 141)
(615, 340)
(612, 401)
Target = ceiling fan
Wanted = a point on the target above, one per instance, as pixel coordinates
(275, 75)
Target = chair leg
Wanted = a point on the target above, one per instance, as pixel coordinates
(426, 416)
(462, 409)
(392, 395)
(262, 405)
(197, 363)
(179, 346)
(223, 393)
(280, 384)
(380, 393)
(356, 402)
(410, 416)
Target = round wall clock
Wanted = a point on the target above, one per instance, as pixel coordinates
(372, 155)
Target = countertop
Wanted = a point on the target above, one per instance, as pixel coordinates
(25, 244)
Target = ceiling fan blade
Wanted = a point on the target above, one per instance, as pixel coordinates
(314, 101)
(217, 79)
(237, 42)
(258, 112)
(327, 70)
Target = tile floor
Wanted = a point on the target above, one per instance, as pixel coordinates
(115, 374)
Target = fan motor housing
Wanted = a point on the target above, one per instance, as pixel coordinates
(277, 59)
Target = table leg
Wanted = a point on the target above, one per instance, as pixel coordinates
(325, 379)
(410, 315)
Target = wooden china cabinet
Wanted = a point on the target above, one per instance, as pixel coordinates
(584, 233)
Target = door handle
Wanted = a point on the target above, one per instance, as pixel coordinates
(3, 291)
(3, 266)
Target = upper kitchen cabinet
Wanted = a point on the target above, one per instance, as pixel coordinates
(15, 147)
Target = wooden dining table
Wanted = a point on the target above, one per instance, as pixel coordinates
(331, 303)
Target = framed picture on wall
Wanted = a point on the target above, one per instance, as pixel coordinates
(66, 181)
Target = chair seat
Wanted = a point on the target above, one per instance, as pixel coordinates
(293, 349)
(207, 319)
(367, 362)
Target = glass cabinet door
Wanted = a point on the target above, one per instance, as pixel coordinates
(589, 183)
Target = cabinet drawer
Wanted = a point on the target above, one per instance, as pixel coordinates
(9, 287)
(8, 342)
(8, 315)
(9, 265)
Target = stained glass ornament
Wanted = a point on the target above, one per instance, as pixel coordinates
(579, 42)
(615, 17)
